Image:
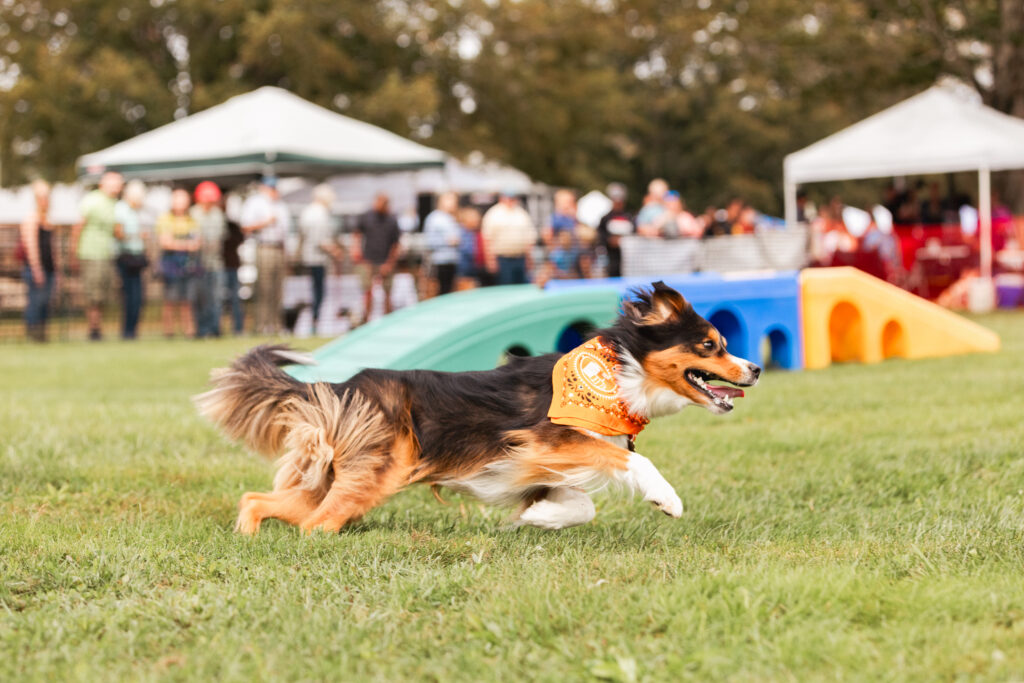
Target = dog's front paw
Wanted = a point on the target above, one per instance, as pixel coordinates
(670, 505)
(665, 498)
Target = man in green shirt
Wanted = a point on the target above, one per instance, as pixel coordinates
(93, 248)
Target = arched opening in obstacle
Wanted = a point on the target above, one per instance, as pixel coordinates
(846, 333)
(731, 327)
(574, 334)
(776, 349)
(517, 350)
(894, 343)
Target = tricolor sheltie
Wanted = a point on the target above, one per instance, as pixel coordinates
(537, 433)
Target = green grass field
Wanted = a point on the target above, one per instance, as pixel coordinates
(862, 522)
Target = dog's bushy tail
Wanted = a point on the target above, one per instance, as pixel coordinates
(255, 401)
(249, 399)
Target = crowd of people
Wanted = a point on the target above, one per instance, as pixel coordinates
(909, 225)
(197, 257)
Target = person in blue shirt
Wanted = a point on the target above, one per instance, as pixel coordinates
(563, 218)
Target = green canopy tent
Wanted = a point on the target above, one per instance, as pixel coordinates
(268, 130)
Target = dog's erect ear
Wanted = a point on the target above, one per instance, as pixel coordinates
(654, 306)
(666, 303)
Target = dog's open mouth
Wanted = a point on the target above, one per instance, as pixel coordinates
(721, 395)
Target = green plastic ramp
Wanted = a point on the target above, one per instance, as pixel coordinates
(469, 330)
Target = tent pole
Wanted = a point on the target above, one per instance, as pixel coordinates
(789, 199)
(985, 216)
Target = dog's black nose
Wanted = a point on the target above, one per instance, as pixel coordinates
(755, 371)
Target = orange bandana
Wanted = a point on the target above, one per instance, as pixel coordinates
(586, 393)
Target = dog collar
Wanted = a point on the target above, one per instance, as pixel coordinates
(586, 392)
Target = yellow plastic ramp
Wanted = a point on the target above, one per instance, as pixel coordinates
(849, 315)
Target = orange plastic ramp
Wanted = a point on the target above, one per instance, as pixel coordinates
(849, 315)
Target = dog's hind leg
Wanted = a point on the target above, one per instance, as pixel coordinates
(559, 508)
(289, 505)
(363, 484)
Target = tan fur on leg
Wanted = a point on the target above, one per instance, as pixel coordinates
(574, 459)
(363, 485)
(290, 505)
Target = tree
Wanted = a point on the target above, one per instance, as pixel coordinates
(711, 94)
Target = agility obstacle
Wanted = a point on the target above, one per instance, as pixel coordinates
(791, 319)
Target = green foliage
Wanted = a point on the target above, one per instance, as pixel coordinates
(710, 94)
(856, 523)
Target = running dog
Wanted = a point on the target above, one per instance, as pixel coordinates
(537, 433)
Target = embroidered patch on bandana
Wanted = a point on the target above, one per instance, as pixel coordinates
(586, 392)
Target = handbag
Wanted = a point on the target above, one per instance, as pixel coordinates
(132, 263)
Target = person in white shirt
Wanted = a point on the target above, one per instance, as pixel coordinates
(509, 235)
(318, 245)
(443, 235)
(266, 217)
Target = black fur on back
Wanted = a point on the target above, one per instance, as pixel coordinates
(462, 419)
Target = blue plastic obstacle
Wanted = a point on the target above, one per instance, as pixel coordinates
(747, 308)
(470, 330)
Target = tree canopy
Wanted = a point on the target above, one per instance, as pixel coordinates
(710, 94)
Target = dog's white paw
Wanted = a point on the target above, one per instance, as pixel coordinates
(654, 487)
(671, 505)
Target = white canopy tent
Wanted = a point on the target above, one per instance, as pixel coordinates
(266, 130)
(945, 129)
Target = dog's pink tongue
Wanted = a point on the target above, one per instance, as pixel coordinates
(730, 392)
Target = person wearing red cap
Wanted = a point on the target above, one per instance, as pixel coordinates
(209, 301)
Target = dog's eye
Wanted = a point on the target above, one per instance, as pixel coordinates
(708, 344)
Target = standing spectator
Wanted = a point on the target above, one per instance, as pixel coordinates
(232, 262)
(564, 258)
(443, 237)
(802, 215)
(879, 239)
(179, 262)
(613, 226)
(509, 234)
(266, 216)
(377, 244)
(654, 206)
(746, 222)
(932, 210)
(675, 221)
(706, 218)
(39, 273)
(832, 236)
(472, 268)
(909, 211)
(92, 243)
(732, 214)
(563, 218)
(318, 245)
(723, 219)
(131, 257)
(212, 225)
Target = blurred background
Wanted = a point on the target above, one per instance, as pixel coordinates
(517, 98)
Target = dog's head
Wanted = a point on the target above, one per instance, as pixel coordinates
(673, 357)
